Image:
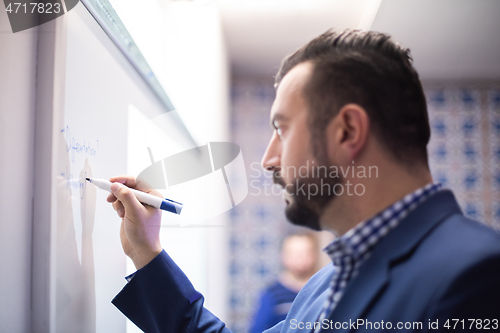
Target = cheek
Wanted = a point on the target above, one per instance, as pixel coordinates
(295, 154)
(290, 164)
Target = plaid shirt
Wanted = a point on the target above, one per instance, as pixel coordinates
(351, 250)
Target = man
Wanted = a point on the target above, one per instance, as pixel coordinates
(299, 258)
(405, 257)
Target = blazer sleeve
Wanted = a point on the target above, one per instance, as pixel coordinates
(160, 298)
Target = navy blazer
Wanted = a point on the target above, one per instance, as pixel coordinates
(436, 271)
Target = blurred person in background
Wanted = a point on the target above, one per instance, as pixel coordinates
(299, 256)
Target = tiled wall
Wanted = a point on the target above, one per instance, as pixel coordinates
(464, 151)
(464, 154)
(258, 222)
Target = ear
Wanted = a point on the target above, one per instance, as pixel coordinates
(347, 133)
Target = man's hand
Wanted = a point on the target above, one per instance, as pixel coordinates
(140, 229)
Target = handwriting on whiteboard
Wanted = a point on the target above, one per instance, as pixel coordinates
(76, 146)
(72, 183)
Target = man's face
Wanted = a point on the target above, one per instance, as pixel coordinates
(299, 256)
(289, 153)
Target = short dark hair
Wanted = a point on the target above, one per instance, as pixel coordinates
(371, 70)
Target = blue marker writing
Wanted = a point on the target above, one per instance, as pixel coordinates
(145, 198)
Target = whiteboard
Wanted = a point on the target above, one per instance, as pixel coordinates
(96, 87)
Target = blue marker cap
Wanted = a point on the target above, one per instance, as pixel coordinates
(171, 206)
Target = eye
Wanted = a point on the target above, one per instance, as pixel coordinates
(277, 129)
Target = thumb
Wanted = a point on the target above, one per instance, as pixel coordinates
(127, 197)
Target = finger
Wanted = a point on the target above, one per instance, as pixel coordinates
(127, 198)
(117, 205)
(119, 208)
(111, 198)
(126, 180)
(153, 192)
(131, 182)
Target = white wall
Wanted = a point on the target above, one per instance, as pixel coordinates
(17, 114)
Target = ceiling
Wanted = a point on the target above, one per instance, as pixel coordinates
(449, 39)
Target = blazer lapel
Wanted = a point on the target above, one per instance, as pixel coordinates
(373, 275)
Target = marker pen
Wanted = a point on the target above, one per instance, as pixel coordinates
(145, 198)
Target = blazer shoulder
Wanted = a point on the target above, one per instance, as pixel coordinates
(477, 235)
(460, 243)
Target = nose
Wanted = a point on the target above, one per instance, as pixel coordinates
(272, 157)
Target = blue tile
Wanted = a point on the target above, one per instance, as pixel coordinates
(496, 127)
(468, 98)
(471, 210)
(265, 93)
(234, 243)
(470, 152)
(441, 152)
(438, 98)
(439, 127)
(497, 179)
(234, 300)
(234, 123)
(262, 243)
(495, 99)
(262, 270)
(497, 213)
(470, 180)
(262, 212)
(234, 269)
(469, 126)
(235, 93)
(441, 177)
(235, 212)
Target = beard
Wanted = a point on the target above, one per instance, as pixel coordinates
(303, 207)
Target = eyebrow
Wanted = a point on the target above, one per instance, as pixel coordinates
(278, 117)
